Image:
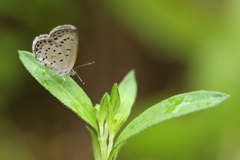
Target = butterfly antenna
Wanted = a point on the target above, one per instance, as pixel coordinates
(84, 65)
(80, 78)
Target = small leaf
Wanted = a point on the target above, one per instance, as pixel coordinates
(127, 92)
(69, 92)
(172, 107)
(102, 112)
(95, 145)
(114, 98)
(115, 151)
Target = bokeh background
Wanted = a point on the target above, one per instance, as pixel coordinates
(175, 46)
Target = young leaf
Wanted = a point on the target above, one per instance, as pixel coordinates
(127, 93)
(115, 151)
(69, 92)
(172, 107)
(102, 111)
(114, 98)
(95, 145)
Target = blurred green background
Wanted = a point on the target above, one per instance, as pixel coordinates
(175, 46)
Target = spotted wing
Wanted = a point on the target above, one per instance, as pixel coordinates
(50, 54)
(67, 37)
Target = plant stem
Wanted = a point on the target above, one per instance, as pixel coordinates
(103, 141)
(110, 143)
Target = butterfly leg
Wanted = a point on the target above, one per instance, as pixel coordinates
(64, 79)
(50, 76)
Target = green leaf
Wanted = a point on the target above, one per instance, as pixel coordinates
(114, 98)
(95, 145)
(127, 92)
(115, 151)
(69, 92)
(172, 107)
(102, 111)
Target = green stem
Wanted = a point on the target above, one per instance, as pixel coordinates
(103, 141)
(110, 143)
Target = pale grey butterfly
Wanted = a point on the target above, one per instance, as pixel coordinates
(58, 50)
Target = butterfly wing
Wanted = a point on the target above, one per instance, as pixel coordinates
(49, 53)
(67, 37)
(58, 50)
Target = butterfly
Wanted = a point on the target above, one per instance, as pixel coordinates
(58, 50)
